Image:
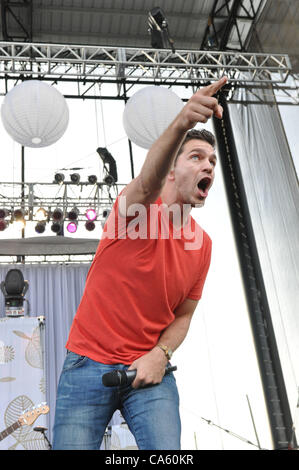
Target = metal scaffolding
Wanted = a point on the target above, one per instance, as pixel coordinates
(87, 66)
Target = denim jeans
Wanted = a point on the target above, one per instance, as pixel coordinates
(84, 407)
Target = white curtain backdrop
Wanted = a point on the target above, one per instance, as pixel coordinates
(54, 292)
(271, 186)
(22, 381)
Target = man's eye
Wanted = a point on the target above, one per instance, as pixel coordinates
(195, 157)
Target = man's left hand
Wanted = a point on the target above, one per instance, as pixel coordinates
(150, 368)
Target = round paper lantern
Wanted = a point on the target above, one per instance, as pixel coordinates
(35, 114)
(148, 113)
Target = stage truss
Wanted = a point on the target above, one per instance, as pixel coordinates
(113, 73)
(86, 67)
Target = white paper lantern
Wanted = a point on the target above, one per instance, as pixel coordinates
(148, 113)
(35, 114)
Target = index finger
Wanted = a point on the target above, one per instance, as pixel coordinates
(210, 90)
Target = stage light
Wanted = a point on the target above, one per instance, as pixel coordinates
(92, 179)
(4, 213)
(107, 158)
(19, 214)
(57, 214)
(90, 225)
(158, 28)
(109, 180)
(56, 227)
(59, 178)
(75, 178)
(3, 224)
(40, 226)
(72, 227)
(106, 213)
(73, 214)
(41, 214)
(14, 288)
(91, 214)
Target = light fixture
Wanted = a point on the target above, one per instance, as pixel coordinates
(72, 227)
(105, 215)
(91, 214)
(3, 224)
(90, 225)
(57, 226)
(149, 112)
(14, 288)
(73, 214)
(19, 222)
(40, 226)
(92, 179)
(75, 178)
(4, 213)
(158, 28)
(107, 158)
(41, 214)
(35, 114)
(109, 180)
(19, 214)
(57, 214)
(59, 178)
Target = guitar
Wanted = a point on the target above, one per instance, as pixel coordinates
(28, 418)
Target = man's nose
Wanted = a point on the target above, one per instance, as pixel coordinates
(208, 166)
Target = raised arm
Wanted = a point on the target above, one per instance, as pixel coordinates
(148, 185)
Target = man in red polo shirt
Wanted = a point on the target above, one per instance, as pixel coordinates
(141, 292)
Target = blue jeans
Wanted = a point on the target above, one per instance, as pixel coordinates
(84, 407)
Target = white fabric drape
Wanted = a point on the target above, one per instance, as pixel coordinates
(54, 292)
(22, 381)
(272, 192)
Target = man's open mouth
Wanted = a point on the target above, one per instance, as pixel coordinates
(204, 186)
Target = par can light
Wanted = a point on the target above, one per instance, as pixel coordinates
(72, 227)
(40, 227)
(3, 224)
(56, 226)
(91, 214)
(90, 225)
(4, 213)
(73, 214)
(57, 214)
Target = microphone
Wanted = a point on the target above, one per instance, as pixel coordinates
(126, 377)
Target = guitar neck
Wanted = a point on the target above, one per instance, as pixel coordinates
(10, 429)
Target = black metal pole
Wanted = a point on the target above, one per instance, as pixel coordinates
(265, 343)
(23, 184)
(130, 143)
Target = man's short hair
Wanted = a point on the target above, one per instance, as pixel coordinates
(200, 134)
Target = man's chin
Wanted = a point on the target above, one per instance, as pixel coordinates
(199, 204)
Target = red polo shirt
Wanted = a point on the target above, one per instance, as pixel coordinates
(142, 271)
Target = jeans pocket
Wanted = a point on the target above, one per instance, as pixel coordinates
(73, 361)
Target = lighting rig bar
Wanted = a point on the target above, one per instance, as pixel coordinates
(29, 198)
(96, 64)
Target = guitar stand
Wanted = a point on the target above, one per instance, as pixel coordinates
(42, 430)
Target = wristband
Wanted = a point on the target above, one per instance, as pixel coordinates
(167, 351)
